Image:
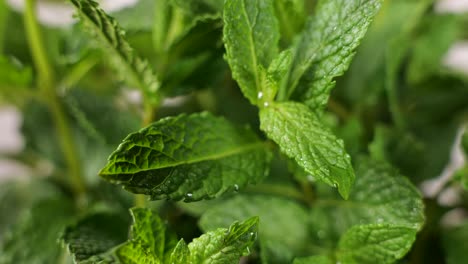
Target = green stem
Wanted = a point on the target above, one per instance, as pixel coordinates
(46, 84)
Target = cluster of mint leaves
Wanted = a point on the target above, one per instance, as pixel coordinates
(255, 191)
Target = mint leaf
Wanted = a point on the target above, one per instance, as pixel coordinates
(224, 246)
(326, 48)
(41, 226)
(251, 35)
(180, 254)
(380, 196)
(282, 223)
(112, 38)
(188, 157)
(95, 234)
(376, 243)
(301, 136)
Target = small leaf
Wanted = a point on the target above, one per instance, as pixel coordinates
(188, 157)
(224, 246)
(301, 136)
(326, 48)
(251, 37)
(112, 38)
(180, 254)
(282, 223)
(377, 243)
(95, 234)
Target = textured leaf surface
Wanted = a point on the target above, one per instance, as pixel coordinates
(42, 226)
(282, 223)
(112, 38)
(189, 157)
(251, 37)
(377, 243)
(327, 46)
(380, 195)
(224, 246)
(301, 136)
(95, 234)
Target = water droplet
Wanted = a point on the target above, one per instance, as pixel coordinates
(189, 195)
(260, 95)
(266, 104)
(335, 185)
(236, 187)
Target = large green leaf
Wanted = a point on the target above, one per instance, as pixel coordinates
(326, 48)
(380, 195)
(188, 157)
(379, 222)
(301, 136)
(376, 243)
(282, 221)
(34, 239)
(112, 38)
(95, 234)
(251, 37)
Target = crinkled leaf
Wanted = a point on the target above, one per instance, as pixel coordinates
(224, 246)
(251, 35)
(112, 38)
(282, 223)
(326, 48)
(301, 136)
(95, 234)
(34, 239)
(189, 157)
(376, 243)
(380, 195)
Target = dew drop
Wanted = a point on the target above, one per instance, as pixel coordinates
(266, 104)
(236, 187)
(260, 95)
(189, 195)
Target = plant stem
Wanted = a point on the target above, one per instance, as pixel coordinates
(46, 84)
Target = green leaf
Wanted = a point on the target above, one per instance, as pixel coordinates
(95, 234)
(180, 254)
(380, 195)
(251, 35)
(137, 17)
(42, 226)
(224, 246)
(326, 48)
(283, 222)
(376, 243)
(314, 260)
(13, 74)
(301, 136)
(112, 38)
(188, 157)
